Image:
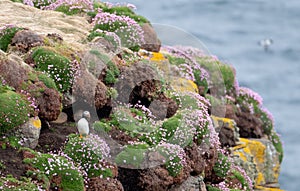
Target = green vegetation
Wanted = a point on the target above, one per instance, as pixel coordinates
(211, 188)
(218, 69)
(101, 126)
(277, 144)
(67, 10)
(50, 165)
(49, 82)
(112, 71)
(237, 175)
(14, 111)
(88, 153)
(118, 10)
(6, 36)
(222, 166)
(132, 155)
(57, 66)
(9, 183)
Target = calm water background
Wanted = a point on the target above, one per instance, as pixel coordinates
(231, 29)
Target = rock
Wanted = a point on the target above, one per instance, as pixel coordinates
(43, 22)
(250, 125)
(62, 118)
(24, 40)
(152, 43)
(107, 184)
(260, 154)
(21, 76)
(193, 183)
(228, 131)
(30, 132)
(49, 104)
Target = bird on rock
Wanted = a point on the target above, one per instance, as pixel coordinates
(83, 124)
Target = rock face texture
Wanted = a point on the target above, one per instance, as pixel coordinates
(156, 121)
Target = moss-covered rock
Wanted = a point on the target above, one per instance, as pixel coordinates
(6, 36)
(14, 110)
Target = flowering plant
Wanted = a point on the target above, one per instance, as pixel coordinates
(128, 30)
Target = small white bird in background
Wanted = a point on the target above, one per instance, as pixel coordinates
(266, 43)
(83, 124)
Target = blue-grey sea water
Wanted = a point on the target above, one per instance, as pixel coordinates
(231, 30)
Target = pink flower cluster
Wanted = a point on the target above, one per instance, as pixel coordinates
(127, 29)
(85, 5)
(248, 93)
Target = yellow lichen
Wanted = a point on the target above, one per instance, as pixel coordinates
(157, 57)
(276, 170)
(241, 155)
(36, 122)
(256, 148)
(226, 121)
(183, 85)
(261, 188)
(260, 179)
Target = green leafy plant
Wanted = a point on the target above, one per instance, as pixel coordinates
(52, 165)
(14, 111)
(89, 154)
(57, 66)
(6, 35)
(222, 166)
(132, 155)
(9, 183)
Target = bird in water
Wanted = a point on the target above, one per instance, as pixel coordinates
(266, 43)
(83, 124)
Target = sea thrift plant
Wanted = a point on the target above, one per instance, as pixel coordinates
(68, 7)
(56, 165)
(89, 153)
(128, 30)
(14, 110)
(174, 156)
(58, 67)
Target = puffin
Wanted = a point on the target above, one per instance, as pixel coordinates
(83, 124)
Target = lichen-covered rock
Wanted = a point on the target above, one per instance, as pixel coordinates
(152, 43)
(193, 183)
(30, 132)
(262, 154)
(228, 131)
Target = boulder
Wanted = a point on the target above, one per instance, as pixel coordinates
(152, 43)
(30, 132)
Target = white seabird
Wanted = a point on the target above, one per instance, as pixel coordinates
(266, 43)
(83, 124)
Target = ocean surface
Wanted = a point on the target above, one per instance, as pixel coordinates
(231, 30)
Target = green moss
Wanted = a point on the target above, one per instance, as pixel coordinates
(228, 76)
(277, 144)
(118, 10)
(132, 121)
(14, 111)
(267, 122)
(222, 166)
(211, 188)
(57, 66)
(6, 36)
(101, 126)
(112, 71)
(237, 175)
(175, 60)
(50, 165)
(49, 82)
(67, 10)
(132, 155)
(9, 183)
(201, 82)
(218, 70)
